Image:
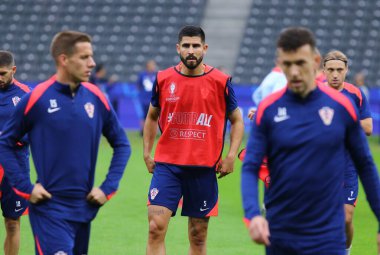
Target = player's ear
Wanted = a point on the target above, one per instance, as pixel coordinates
(178, 48)
(277, 60)
(14, 68)
(317, 60)
(205, 47)
(62, 60)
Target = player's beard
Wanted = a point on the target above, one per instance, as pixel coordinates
(5, 84)
(191, 66)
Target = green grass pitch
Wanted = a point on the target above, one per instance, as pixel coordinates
(121, 226)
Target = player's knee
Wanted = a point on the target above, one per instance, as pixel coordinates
(12, 226)
(198, 236)
(156, 230)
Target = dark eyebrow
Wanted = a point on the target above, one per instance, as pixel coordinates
(188, 44)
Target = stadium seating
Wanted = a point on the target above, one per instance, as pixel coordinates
(125, 32)
(128, 32)
(349, 26)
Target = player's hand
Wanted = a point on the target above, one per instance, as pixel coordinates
(150, 164)
(97, 197)
(225, 167)
(378, 243)
(39, 194)
(251, 113)
(259, 230)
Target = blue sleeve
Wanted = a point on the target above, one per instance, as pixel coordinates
(139, 82)
(155, 95)
(118, 140)
(230, 97)
(360, 153)
(256, 96)
(256, 150)
(15, 129)
(364, 110)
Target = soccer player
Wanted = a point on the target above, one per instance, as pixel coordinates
(191, 102)
(12, 205)
(304, 130)
(64, 118)
(145, 83)
(335, 67)
(274, 81)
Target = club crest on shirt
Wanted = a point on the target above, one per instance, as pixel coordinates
(15, 100)
(90, 109)
(327, 114)
(153, 193)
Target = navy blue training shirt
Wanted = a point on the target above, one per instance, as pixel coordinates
(64, 132)
(305, 140)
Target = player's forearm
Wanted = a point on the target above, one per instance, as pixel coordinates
(371, 184)
(236, 137)
(149, 135)
(17, 176)
(362, 158)
(121, 155)
(236, 132)
(367, 126)
(249, 192)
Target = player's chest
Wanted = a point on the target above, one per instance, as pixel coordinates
(297, 126)
(66, 111)
(189, 92)
(8, 103)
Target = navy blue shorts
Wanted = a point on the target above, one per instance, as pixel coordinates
(306, 247)
(351, 187)
(59, 236)
(197, 185)
(12, 205)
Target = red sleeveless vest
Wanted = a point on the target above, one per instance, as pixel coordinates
(192, 118)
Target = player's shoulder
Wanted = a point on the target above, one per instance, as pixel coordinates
(21, 87)
(340, 99)
(352, 89)
(95, 91)
(37, 93)
(267, 102)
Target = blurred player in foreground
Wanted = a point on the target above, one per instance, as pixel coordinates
(304, 130)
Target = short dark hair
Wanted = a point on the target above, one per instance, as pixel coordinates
(335, 55)
(191, 31)
(64, 42)
(6, 59)
(292, 38)
(99, 67)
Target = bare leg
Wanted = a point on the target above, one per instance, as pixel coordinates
(349, 211)
(12, 239)
(198, 235)
(158, 217)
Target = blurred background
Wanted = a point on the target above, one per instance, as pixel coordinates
(241, 35)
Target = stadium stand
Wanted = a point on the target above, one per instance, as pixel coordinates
(128, 32)
(350, 26)
(125, 32)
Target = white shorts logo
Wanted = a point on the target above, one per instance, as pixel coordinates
(60, 253)
(153, 193)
